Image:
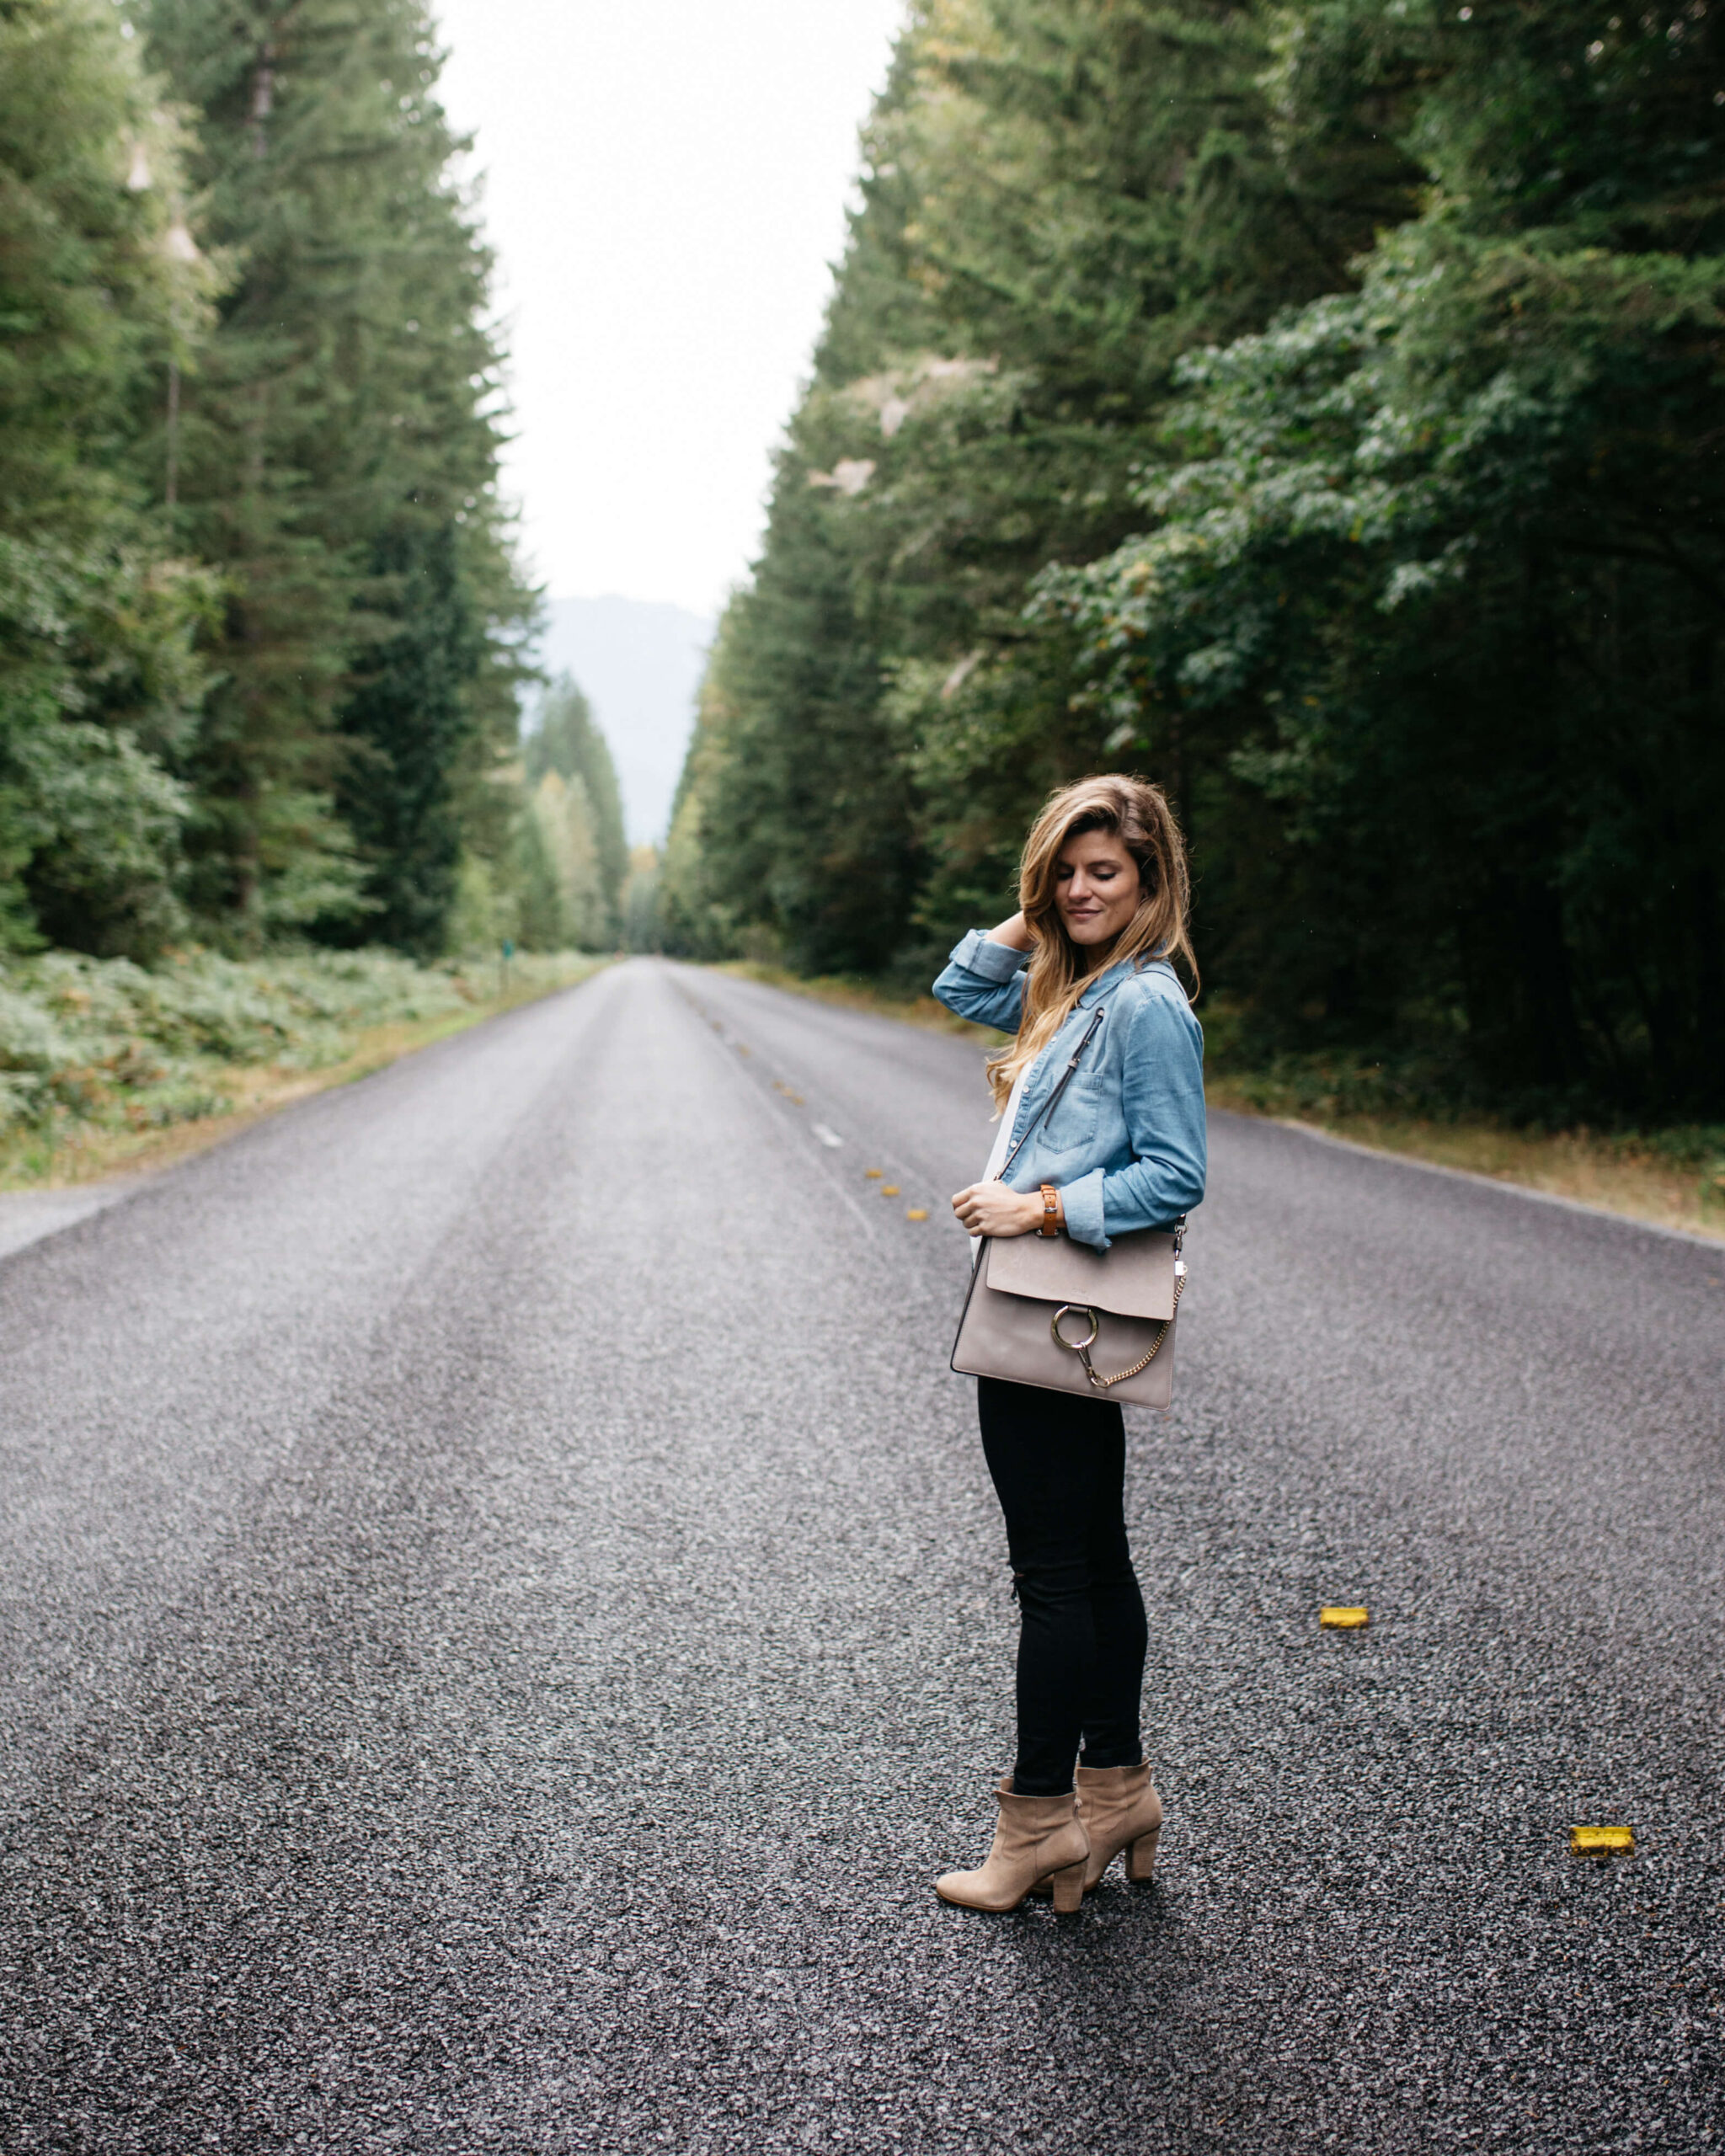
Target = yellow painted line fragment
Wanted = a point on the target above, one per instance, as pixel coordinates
(873, 1174)
(917, 1212)
(1597, 1841)
(888, 1190)
(1342, 1620)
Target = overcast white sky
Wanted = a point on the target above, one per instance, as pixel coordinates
(665, 187)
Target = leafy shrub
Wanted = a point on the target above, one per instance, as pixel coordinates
(109, 1044)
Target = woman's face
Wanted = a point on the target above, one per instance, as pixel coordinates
(1097, 887)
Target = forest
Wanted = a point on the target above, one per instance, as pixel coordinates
(1316, 407)
(263, 633)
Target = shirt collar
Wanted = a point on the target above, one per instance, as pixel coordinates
(1106, 982)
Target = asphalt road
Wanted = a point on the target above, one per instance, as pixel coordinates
(504, 1619)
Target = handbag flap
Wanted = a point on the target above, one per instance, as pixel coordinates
(1133, 1278)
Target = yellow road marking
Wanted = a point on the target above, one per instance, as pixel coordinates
(917, 1212)
(1342, 1620)
(1596, 1841)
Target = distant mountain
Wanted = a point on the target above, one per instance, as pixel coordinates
(639, 664)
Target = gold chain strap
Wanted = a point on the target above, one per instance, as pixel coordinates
(1081, 1348)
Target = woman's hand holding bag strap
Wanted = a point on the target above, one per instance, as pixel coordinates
(1028, 1292)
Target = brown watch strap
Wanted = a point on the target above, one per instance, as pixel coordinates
(1050, 1211)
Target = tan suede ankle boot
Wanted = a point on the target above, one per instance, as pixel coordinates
(1036, 1838)
(1121, 1811)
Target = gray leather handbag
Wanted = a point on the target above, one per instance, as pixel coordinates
(1051, 1312)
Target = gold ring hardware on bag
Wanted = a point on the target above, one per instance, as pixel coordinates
(1076, 1347)
(1081, 1348)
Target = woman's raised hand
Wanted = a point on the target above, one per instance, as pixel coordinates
(992, 1208)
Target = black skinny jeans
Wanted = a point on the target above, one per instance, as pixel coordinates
(1058, 1464)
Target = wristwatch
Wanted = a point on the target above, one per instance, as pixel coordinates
(1050, 1211)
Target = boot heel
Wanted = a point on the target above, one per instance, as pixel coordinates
(1141, 1856)
(1068, 1888)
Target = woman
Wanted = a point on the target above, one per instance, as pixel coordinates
(1104, 898)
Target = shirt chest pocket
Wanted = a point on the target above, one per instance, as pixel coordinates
(1079, 1116)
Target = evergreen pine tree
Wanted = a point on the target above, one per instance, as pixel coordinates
(1058, 200)
(337, 458)
(408, 726)
(98, 686)
(566, 738)
(1312, 407)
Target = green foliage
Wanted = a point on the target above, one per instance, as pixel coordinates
(79, 1035)
(259, 627)
(408, 727)
(1058, 199)
(336, 454)
(99, 686)
(485, 911)
(582, 813)
(803, 829)
(1317, 409)
(542, 915)
(561, 815)
(642, 928)
(87, 278)
(1438, 603)
(89, 1045)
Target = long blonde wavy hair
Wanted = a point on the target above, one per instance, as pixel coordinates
(1138, 814)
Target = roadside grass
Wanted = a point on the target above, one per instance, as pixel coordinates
(1642, 1174)
(1674, 1178)
(106, 1066)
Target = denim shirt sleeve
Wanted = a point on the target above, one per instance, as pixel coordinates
(984, 981)
(1162, 1090)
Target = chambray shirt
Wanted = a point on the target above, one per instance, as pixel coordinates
(1124, 1145)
